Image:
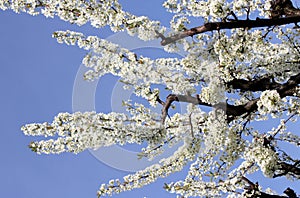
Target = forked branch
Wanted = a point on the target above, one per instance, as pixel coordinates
(288, 88)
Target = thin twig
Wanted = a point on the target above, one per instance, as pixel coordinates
(190, 122)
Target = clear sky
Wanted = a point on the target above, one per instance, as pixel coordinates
(36, 80)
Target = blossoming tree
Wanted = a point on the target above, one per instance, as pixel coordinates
(243, 61)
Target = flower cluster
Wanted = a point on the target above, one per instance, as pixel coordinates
(165, 167)
(80, 12)
(265, 157)
(214, 10)
(79, 131)
(270, 102)
(140, 72)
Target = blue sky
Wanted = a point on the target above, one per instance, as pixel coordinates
(37, 81)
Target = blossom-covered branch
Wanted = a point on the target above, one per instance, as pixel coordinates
(211, 26)
(286, 89)
(289, 168)
(278, 9)
(260, 84)
(98, 13)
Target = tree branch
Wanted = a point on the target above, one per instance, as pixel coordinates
(289, 168)
(211, 26)
(260, 84)
(265, 83)
(290, 193)
(254, 187)
(179, 98)
(281, 8)
(286, 89)
(231, 110)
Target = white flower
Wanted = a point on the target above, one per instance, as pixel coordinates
(270, 102)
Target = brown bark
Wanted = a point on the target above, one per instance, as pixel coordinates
(229, 25)
(232, 111)
(289, 168)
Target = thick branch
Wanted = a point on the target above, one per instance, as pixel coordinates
(231, 110)
(230, 25)
(289, 168)
(179, 98)
(286, 89)
(281, 8)
(261, 84)
(290, 193)
(265, 83)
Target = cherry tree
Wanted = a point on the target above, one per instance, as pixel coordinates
(242, 61)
